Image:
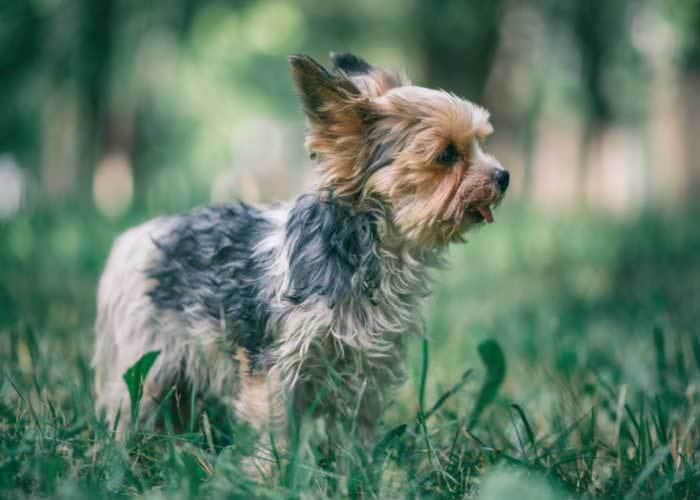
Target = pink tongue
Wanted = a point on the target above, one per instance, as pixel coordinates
(486, 214)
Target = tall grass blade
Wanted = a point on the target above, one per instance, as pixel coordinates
(492, 356)
(135, 377)
(28, 402)
(450, 392)
(423, 376)
(526, 425)
(391, 437)
(193, 408)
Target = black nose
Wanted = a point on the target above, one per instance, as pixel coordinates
(502, 178)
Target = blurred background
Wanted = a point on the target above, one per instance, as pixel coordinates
(121, 107)
(113, 111)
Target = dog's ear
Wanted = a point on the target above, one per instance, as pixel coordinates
(350, 63)
(324, 96)
(339, 115)
(371, 81)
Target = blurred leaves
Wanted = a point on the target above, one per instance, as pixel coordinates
(492, 356)
(173, 86)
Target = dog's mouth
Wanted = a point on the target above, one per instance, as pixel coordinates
(481, 213)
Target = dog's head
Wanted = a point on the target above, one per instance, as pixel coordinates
(416, 150)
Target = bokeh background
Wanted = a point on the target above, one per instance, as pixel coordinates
(113, 111)
(123, 107)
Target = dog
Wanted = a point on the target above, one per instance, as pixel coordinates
(304, 308)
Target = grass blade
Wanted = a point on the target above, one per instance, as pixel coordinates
(526, 424)
(380, 451)
(450, 392)
(135, 377)
(423, 376)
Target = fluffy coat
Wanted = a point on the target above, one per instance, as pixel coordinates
(303, 308)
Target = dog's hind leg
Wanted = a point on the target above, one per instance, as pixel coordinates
(129, 326)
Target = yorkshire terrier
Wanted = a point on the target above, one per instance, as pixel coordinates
(304, 308)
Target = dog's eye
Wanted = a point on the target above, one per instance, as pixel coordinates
(448, 155)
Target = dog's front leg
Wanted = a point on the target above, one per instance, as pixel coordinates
(261, 404)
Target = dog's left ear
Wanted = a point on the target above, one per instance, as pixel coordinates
(324, 96)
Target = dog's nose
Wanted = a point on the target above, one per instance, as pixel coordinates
(502, 179)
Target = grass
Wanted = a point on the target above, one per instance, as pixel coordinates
(562, 361)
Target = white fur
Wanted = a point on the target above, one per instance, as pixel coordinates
(362, 339)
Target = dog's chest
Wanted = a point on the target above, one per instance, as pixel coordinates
(336, 359)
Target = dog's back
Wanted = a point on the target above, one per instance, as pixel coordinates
(169, 285)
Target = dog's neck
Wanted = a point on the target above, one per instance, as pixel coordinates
(389, 235)
(344, 252)
(350, 253)
(355, 287)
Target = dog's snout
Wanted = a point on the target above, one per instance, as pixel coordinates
(502, 179)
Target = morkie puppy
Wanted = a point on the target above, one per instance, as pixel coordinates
(304, 308)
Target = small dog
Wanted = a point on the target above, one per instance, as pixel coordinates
(304, 308)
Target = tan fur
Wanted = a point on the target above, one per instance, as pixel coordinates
(258, 402)
(429, 201)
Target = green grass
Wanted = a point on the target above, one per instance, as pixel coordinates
(562, 361)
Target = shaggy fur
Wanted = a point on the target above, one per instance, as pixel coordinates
(305, 307)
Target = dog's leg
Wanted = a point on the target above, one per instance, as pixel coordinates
(261, 404)
(128, 326)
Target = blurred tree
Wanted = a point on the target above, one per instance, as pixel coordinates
(596, 25)
(458, 41)
(685, 16)
(93, 74)
(75, 84)
(601, 30)
(20, 40)
(58, 80)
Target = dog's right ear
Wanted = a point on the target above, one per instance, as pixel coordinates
(324, 96)
(350, 63)
(372, 81)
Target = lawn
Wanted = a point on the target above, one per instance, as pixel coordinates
(561, 360)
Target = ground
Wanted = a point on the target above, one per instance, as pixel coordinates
(562, 360)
